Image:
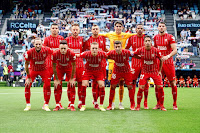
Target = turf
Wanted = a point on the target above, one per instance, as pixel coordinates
(14, 119)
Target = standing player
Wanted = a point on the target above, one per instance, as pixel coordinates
(188, 81)
(118, 35)
(195, 81)
(150, 69)
(102, 46)
(93, 70)
(167, 45)
(181, 81)
(37, 58)
(64, 63)
(121, 70)
(136, 42)
(53, 42)
(75, 43)
(166, 81)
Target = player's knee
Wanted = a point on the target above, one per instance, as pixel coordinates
(101, 85)
(159, 86)
(129, 87)
(134, 81)
(113, 87)
(142, 87)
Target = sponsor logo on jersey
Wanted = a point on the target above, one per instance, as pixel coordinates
(67, 59)
(101, 41)
(44, 55)
(148, 62)
(119, 64)
(165, 40)
(152, 55)
(162, 47)
(124, 57)
(94, 65)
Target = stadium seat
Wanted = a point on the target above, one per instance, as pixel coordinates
(175, 11)
(39, 11)
(14, 11)
(146, 16)
(35, 11)
(191, 8)
(30, 13)
(162, 11)
(196, 11)
(1, 11)
(159, 16)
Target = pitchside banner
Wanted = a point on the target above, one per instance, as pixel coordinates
(22, 24)
(193, 25)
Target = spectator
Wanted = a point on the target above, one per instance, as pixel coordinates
(22, 70)
(1, 72)
(188, 33)
(5, 72)
(183, 34)
(194, 44)
(1, 55)
(8, 49)
(11, 77)
(10, 67)
(198, 33)
(20, 57)
(11, 59)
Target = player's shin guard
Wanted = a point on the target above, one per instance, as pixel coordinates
(83, 90)
(146, 92)
(95, 91)
(69, 93)
(174, 93)
(139, 97)
(28, 94)
(72, 94)
(60, 92)
(79, 90)
(102, 95)
(112, 94)
(161, 96)
(47, 93)
(131, 96)
(156, 92)
(121, 90)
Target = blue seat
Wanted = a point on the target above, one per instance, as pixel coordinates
(196, 11)
(1, 11)
(30, 13)
(175, 11)
(146, 16)
(191, 8)
(35, 11)
(39, 11)
(159, 16)
(162, 11)
(14, 11)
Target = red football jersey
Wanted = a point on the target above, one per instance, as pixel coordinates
(163, 43)
(135, 42)
(149, 59)
(93, 62)
(52, 42)
(64, 60)
(195, 79)
(121, 60)
(76, 45)
(38, 60)
(102, 45)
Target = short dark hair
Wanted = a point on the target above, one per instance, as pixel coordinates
(54, 24)
(147, 36)
(94, 25)
(75, 24)
(119, 22)
(162, 23)
(63, 42)
(117, 42)
(138, 24)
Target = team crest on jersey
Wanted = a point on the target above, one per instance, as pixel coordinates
(44, 55)
(152, 55)
(80, 42)
(101, 41)
(67, 59)
(124, 57)
(99, 60)
(165, 40)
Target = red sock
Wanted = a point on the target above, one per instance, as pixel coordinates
(131, 96)
(134, 87)
(72, 94)
(174, 93)
(139, 96)
(102, 95)
(60, 92)
(56, 95)
(28, 94)
(161, 96)
(83, 90)
(112, 94)
(69, 93)
(95, 90)
(146, 92)
(156, 92)
(47, 92)
(79, 90)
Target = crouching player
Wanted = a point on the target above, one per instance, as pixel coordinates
(195, 81)
(149, 56)
(37, 58)
(121, 70)
(64, 63)
(93, 69)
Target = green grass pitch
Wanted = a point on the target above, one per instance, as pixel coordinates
(14, 119)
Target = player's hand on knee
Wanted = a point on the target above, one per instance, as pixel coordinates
(72, 82)
(56, 83)
(28, 82)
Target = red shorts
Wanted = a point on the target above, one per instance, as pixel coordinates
(44, 75)
(117, 76)
(96, 75)
(169, 71)
(79, 72)
(144, 77)
(50, 69)
(188, 82)
(181, 82)
(61, 73)
(135, 72)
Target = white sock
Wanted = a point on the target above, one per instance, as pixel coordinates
(46, 105)
(95, 103)
(79, 102)
(120, 103)
(28, 104)
(57, 104)
(71, 104)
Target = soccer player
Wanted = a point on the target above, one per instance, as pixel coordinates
(102, 46)
(181, 81)
(53, 42)
(121, 70)
(118, 35)
(166, 81)
(150, 69)
(167, 45)
(195, 81)
(76, 44)
(64, 63)
(93, 70)
(137, 41)
(37, 58)
(188, 81)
